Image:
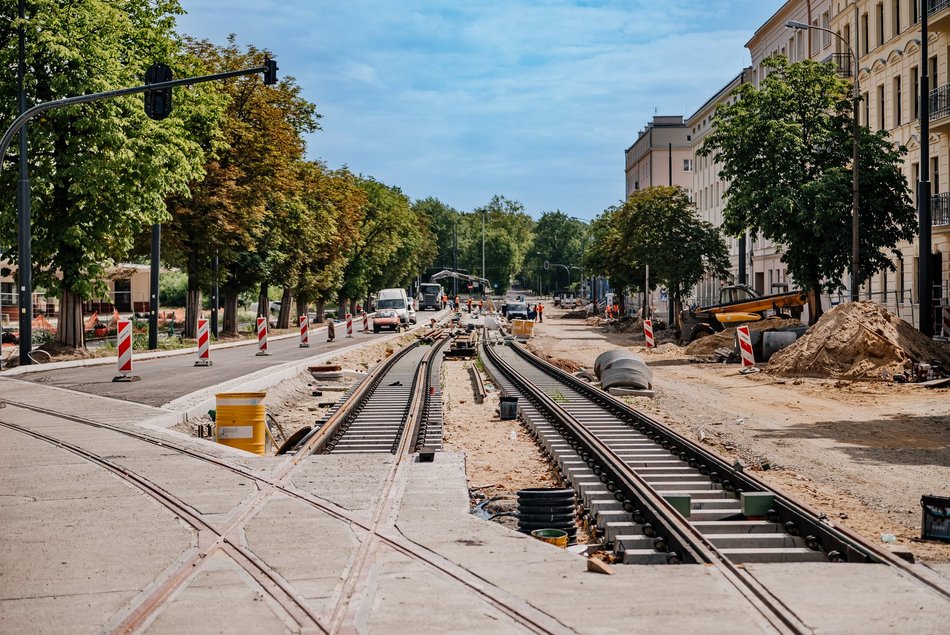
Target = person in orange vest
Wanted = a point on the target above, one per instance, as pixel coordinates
(458, 306)
(607, 309)
(444, 301)
(616, 309)
(469, 305)
(540, 312)
(481, 306)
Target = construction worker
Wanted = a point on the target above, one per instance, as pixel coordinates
(458, 305)
(481, 306)
(444, 301)
(331, 330)
(470, 305)
(540, 312)
(617, 310)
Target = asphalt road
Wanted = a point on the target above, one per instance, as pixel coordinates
(167, 378)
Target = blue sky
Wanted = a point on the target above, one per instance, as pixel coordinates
(533, 100)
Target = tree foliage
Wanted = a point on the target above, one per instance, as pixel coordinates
(508, 232)
(558, 238)
(786, 151)
(99, 172)
(657, 227)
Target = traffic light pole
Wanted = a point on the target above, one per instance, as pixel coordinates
(24, 234)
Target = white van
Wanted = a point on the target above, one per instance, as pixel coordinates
(395, 299)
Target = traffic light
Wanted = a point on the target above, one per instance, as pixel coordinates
(270, 72)
(158, 103)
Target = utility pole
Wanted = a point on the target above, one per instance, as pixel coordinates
(925, 281)
(455, 259)
(153, 287)
(25, 254)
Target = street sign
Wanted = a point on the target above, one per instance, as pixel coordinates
(470, 287)
(547, 265)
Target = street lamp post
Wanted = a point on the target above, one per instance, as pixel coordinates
(483, 245)
(855, 142)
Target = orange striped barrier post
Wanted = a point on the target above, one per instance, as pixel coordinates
(946, 321)
(745, 346)
(648, 333)
(262, 337)
(204, 343)
(349, 325)
(124, 348)
(304, 322)
(365, 322)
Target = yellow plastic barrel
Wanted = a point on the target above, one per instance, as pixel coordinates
(554, 536)
(240, 420)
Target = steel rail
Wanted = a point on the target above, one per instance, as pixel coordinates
(285, 596)
(855, 547)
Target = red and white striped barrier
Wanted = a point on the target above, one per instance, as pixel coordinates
(304, 322)
(124, 347)
(648, 333)
(262, 336)
(204, 342)
(745, 346)
(946, 321)
(365, 322)
(349, 325)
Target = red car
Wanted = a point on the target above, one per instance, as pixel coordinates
(386, 319)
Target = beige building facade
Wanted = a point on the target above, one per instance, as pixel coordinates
(661, 155)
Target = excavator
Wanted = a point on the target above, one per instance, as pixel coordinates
(738, 304)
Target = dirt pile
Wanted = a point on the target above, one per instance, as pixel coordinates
(857, 341)
(708, 345)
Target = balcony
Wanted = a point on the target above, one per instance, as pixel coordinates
(938, 15)
(842, 62)
(940, 210)
(940, 107)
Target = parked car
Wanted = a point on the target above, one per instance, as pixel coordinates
(517, 311)
(386, 319)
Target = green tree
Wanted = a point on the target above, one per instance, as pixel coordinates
(785, 149)
(238, 209)
(442, 221)
(560, 239)
(99, 172)
(662, 229)
(508, 236)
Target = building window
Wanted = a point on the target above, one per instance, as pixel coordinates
(800, 44)
(935, 174)
(814, 34)
(915, 81)
(898, 95)
(879, 20)
(825, 36)
(865, 33)
(880, 107)
(897, 17)
(687, 165)
(867, 109)
(915, 11)
(933, 72)
(791, 50)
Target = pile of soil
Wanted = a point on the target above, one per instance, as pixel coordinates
(567, 365)
(857, 341)
(708, 345)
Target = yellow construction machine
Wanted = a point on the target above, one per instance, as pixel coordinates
(738, 304)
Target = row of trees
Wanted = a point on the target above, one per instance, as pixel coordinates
(785, 150)
(225, 175)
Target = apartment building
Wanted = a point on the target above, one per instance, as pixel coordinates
(708, 188)
(661, 155)
(887, 35)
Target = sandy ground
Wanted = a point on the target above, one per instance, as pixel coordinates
(861, 452)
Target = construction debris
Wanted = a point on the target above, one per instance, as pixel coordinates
(859, 341)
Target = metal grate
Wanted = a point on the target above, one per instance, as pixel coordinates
(940, 208)
(842, 62)
(940, 101)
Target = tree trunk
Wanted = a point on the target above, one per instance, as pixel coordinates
(321, 309)
(303, 307)
(814, 304)
(69, 331)
(283, 318)
(230, 313)
(193, 297)
(352, 307)
(263, 302)
(342, 307)
(192, 312)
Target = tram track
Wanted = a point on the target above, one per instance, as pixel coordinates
(224, 538)
(633, 476)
